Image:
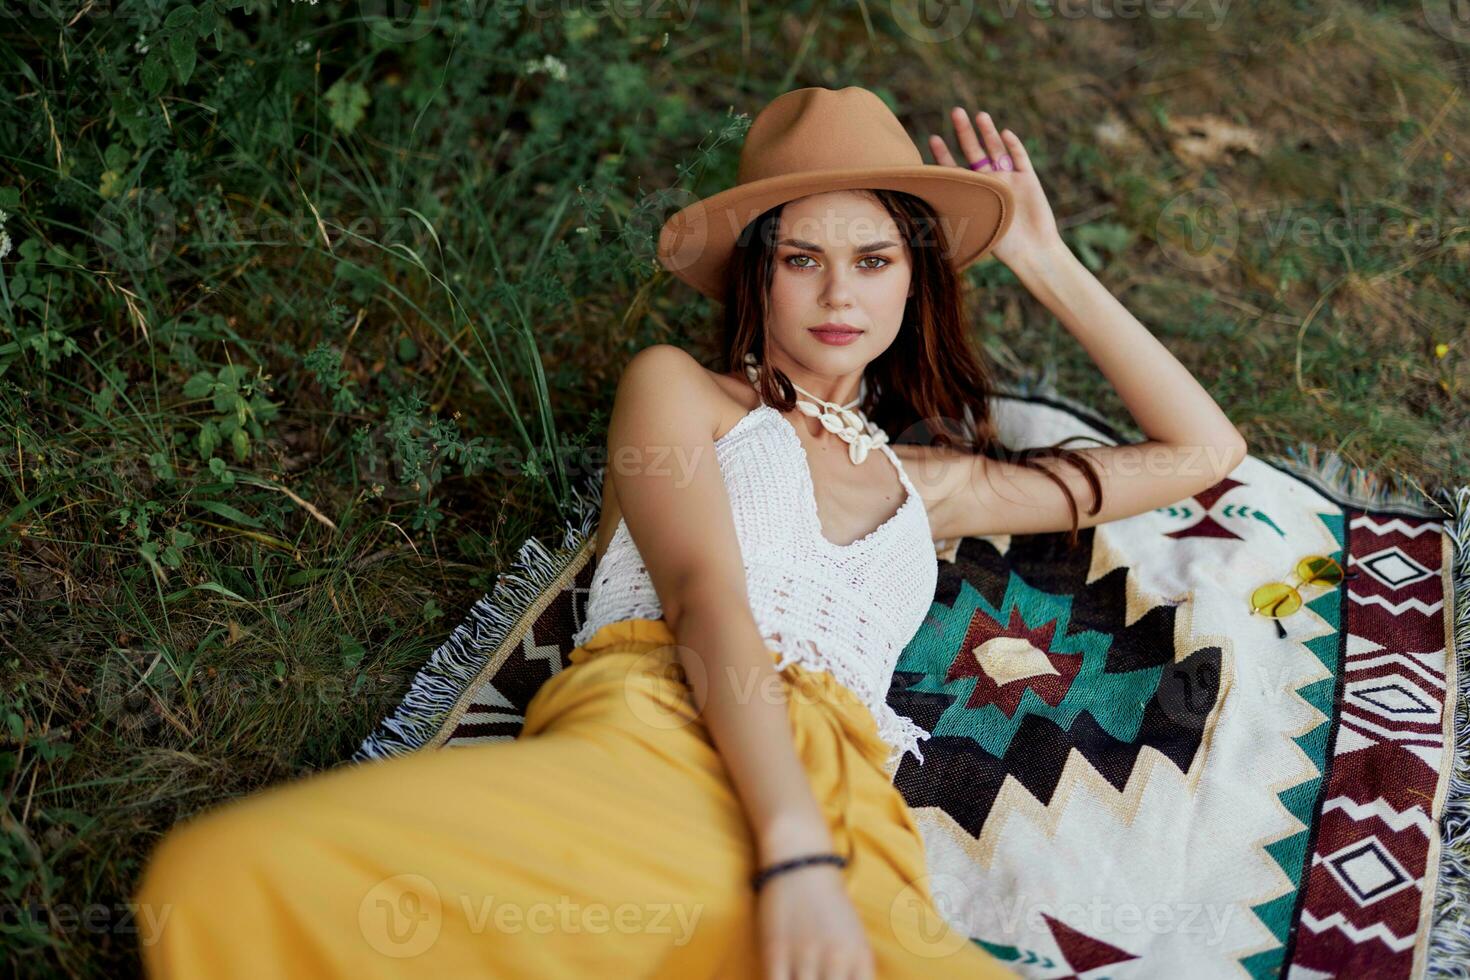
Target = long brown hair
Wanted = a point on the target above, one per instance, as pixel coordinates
(930, 378)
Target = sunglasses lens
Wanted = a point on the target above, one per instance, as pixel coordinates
(1318, 570)
(1276, 599)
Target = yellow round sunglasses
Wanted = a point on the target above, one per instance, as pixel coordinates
(1280, 599)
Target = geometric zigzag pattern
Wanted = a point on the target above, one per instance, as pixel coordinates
(1375, 849)
(1023, 630)
(1024, 665)
(1036, 659)
(1086, 676)
(1355, 907)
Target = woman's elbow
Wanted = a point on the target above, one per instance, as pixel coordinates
(1233, 451)
(697, 594)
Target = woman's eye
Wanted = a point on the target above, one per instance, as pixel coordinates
(868, 258)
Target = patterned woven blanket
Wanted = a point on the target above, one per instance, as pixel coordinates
(1129, 774)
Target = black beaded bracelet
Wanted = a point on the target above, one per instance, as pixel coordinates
(760, 879)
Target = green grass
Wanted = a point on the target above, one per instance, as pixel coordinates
(309, 320)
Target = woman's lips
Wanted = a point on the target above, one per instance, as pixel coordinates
(835, 337)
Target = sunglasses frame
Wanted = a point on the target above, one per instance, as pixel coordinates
(1293, 590)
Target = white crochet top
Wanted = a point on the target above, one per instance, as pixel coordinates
(846, 609)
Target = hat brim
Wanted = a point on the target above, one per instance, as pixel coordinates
(975, 210)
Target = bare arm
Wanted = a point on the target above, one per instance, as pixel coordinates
(1167, 402)
(1163, 397)
(1191, 444)
(679, 517)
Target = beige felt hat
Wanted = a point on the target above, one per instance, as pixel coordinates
(812, 140)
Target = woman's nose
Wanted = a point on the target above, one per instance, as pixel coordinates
(836, 290)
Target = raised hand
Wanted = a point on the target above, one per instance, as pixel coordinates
(1001, 153)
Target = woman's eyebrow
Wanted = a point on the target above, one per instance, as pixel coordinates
(814, 247)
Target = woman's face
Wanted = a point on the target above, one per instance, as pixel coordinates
(839, 258)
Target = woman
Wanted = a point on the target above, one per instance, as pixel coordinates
(711, 779)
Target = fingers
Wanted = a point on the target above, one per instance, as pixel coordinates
(1001, 150)
(814, 962)
(1017, 150)
(994, 145)
(848, 964)
(969, 142)
(940, 149)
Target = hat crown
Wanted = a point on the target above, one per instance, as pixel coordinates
(816, 128)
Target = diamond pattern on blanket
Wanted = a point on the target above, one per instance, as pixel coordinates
(1129, 775)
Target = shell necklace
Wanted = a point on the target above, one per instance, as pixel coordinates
(844, 421)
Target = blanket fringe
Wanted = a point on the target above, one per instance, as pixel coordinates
(1336, 478)
(438, 686)
(1448, 955)
(1449, 934)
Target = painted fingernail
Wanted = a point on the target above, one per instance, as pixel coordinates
(1005, 163)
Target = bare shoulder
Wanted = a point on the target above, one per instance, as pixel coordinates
(671, 496)
(670, 375)
(653, 379)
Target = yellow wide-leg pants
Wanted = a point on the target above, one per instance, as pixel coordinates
(607, 839)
